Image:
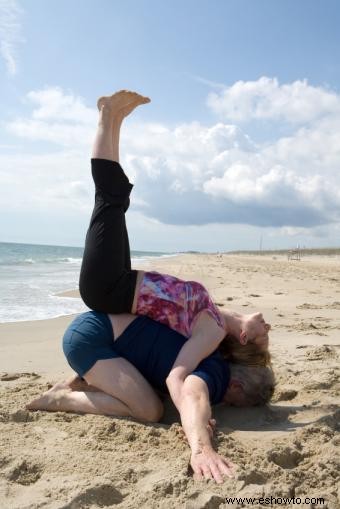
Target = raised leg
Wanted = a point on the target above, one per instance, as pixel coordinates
(112, 111)
(107, 283)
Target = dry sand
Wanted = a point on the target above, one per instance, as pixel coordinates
(289, 448)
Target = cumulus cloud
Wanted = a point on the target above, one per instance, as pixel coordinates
(53, 104)
(58, 117)
(296, 102)
(218, 175)
(196, 174)
(10, 33)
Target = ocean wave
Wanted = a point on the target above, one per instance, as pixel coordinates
(28, 261)
(31, 261)
(53, 307)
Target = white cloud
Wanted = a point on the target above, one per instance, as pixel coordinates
(59, 118)
(296, 102)
(54, 104)
(186, 176)
(60, 133)
(10, 33)
(41, 182)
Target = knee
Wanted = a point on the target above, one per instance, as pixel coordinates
(150, 413)
(157, 412)
(101, 296)
(91, 296)
(95, 295)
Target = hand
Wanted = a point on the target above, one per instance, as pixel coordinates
(209, 464)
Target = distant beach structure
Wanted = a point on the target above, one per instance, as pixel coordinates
(294, 254)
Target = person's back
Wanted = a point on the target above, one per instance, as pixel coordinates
(149, 345)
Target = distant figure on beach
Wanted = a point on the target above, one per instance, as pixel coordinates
(179, 339)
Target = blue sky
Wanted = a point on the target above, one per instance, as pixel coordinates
(239, 143)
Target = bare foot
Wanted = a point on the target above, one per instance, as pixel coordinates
(122, 102)
(49, 400)
(126, 110)
(78, 384)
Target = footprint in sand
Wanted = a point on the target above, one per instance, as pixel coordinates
(285, 457)
(332, 420)
(334, 305)
(253, 477)
(24, 472)
(306, 305)
(285, 394)
(321, 352)
(103, 495)
(7, 377)
(199, 499)
(23, 416)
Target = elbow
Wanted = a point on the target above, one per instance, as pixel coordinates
(195, 388)
(190, 392)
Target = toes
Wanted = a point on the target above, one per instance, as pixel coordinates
(32, 405)
(130, 97)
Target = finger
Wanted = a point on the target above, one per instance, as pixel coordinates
(207, 473)
(210, 431)
(212, 425)
(227, 468)
(217, 474)
(229, 463)
(197, 474)
(198, 477)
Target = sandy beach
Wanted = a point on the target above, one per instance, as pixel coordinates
(289, 448)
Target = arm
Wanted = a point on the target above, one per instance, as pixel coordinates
(206, 337)
(195, 412)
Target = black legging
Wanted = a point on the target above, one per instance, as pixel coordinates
(106, 282)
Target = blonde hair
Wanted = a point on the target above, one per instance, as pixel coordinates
(258, 382)
(249, 354)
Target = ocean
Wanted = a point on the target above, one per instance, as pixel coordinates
(31, 276)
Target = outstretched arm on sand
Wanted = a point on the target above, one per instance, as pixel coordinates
(195, 414)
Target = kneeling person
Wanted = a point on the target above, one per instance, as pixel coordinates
(124, 358)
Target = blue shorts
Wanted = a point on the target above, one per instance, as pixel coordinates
(149, 346)
(88, 339)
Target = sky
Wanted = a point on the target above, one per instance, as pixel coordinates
(239, 147)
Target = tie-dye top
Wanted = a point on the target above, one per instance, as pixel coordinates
(174, 302)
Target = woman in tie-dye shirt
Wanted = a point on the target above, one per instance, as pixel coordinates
(108, 284)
